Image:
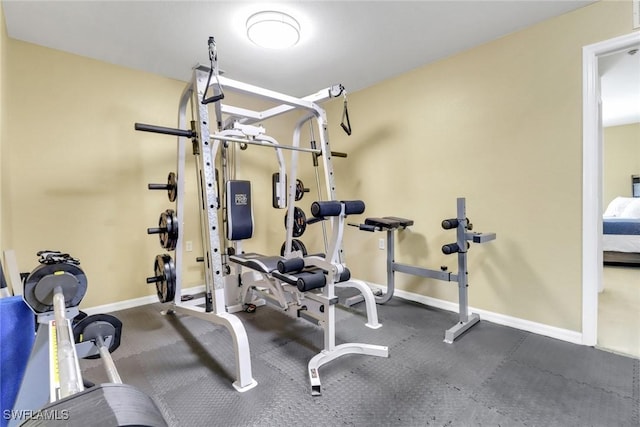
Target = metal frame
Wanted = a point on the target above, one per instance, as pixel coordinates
(206, 145)
(319, 306)
(466, 320)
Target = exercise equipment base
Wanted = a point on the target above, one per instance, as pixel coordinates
(460, 328)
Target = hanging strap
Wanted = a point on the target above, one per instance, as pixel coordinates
(346, 124)
(213, 59)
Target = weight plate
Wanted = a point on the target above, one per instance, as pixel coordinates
(39, 286)
(168, 223)
(296, 245)
(165, 271)
(104, 325)
(300, 190)
(299, 221)
(172, 187)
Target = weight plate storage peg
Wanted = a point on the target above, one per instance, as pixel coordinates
(171, 186)
(165, 277)
(167, 229)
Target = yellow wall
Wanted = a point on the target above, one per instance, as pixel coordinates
(621, 160)
(499, 125)
(79, 170)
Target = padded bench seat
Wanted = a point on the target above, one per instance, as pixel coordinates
(389, 222)
(254, 261)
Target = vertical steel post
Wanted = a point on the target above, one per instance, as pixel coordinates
(462, 260)
(209, 200)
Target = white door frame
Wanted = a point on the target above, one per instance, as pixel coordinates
(592, 178)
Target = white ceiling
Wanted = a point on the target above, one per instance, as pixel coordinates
(620, 87)
(356, 43)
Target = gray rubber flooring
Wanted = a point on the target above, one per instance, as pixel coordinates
(491, 376)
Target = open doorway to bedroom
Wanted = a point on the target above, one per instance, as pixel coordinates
(612, 96)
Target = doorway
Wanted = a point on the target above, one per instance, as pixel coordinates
(592, 188)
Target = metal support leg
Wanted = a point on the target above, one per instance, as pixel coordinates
(369, 300)
(244, 380)
(465, 321)
(332, 351)
(325, 357)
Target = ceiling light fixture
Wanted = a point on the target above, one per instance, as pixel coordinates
(273, 30)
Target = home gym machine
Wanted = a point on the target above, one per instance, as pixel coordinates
(291, 283)
(237, 127)
(52, 388)
(461, 246)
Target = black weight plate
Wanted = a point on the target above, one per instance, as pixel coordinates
(296, 245)
(39, 286)
(300, 190)
(299, 221)
(165, 271)
(172, 187)
(97, 322)
(81, 315)
(169, 224)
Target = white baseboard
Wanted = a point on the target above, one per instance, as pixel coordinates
(500, 319)
(136, 302)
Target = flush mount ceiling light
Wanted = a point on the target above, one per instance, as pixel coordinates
(273, 30)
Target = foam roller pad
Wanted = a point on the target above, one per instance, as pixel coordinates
(345, 275)
(451, 248)
(309, 281)
(326, 208)
(353, 207)
(448, 224)
(290, 265)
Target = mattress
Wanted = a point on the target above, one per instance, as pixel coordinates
(620, 243)
(621, 226)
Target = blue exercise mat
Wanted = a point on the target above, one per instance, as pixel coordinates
(17, 333)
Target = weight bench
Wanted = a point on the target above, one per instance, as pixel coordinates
(385, 223)
(460, 247)
(276, 279)
(308, 285)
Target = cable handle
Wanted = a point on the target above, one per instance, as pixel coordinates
(213, 59)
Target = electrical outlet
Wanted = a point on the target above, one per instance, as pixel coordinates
(188, 246)
(381, 244)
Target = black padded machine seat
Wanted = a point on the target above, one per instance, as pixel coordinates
(304, 278)
(386, 223)
(257, 262)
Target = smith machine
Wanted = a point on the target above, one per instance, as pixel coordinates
(304, 287)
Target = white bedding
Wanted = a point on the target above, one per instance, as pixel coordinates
(622, 207)
(620, 243)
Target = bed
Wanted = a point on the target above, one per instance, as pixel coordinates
(621, 231)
